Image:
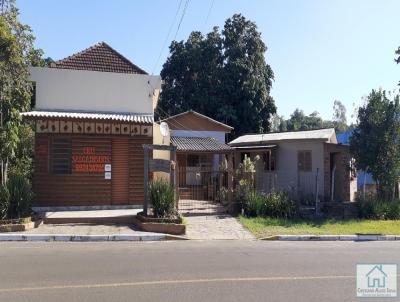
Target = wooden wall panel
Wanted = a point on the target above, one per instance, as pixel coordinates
(78, 188)
(87, 188)
(120, 171)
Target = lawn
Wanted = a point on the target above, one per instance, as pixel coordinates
(263, 227)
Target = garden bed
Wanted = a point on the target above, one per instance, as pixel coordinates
(172, 226)
(263, 226)
(16, 225)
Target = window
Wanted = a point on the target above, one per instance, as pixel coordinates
(193, 160)
(269, 160)
(60, 156)
(304, 161)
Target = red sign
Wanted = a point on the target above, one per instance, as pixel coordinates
(89, 161)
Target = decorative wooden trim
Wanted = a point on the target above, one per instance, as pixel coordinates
(135, 130)
(78, 127)
(65, 127)
(90, 128)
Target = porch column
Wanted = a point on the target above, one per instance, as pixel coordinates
(230, 181)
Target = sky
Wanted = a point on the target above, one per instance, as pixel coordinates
(320, 51)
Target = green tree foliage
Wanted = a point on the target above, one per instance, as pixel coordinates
(299, 121)
(222, 75)
(375, 141)
(339, 116)
(16, 54)
(397, 59)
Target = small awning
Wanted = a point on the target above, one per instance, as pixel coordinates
(199, 144)
(255, 147)
(121, 117)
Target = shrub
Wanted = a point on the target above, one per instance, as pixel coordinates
(279, 205)
(4, 202)
(16, 197)
(275, 205)
(371, 208)
(163, 198)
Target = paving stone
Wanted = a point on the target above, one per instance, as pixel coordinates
(215, 227)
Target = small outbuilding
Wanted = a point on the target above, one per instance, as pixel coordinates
(306, 164)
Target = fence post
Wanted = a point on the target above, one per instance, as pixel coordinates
(316, 193)
(146, 180)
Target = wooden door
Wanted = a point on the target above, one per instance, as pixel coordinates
(120, 171)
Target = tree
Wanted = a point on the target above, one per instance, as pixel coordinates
(222, 75)
(339, 116)
(16, 54)
(375, 141)
(397, 59)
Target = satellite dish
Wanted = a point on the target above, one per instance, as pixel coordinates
(164, 129)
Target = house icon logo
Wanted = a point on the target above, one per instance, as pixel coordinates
(376, 277)
(376, 280)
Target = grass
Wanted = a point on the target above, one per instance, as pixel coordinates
(263, 227)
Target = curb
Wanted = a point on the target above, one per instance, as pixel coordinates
(365, 237)
(80, 238)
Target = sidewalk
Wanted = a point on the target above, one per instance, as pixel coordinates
(214, 227)
(83, 232)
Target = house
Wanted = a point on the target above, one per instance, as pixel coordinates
(376, 277)
(92, 113)
(201, 148)
(306, 164)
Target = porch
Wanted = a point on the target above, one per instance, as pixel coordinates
(204, 167)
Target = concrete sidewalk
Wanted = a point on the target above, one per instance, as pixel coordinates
(83, 232)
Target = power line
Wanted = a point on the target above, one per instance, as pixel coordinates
(166, 38)
(209, 12)
(183, 15)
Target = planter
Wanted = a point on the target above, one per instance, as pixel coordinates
(16, 225)
(172, 226)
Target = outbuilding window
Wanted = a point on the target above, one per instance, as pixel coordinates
(304, 161)
(269, 160)
(60, 156)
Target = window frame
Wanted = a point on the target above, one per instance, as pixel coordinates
(56, 144)
(304, 164)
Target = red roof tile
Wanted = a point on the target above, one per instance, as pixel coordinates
(99, 57)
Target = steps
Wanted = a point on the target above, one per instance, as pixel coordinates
(90, 217)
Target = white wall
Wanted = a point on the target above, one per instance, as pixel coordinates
(81, 90)
(218, 135)
(286, 177)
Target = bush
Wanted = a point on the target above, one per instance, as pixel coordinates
(372, 208)
(4, 202)
(275, 205)
(15, 197)
(163, 198)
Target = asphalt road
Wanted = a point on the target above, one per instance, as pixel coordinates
(187, 270)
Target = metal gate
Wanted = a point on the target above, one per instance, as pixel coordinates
(202, 191)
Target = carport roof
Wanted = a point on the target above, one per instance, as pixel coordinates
(199, 144)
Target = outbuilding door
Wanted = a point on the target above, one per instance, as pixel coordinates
(120, 171)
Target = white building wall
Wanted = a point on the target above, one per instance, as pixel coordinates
(286, 177)
(218, 135)
(81, 90)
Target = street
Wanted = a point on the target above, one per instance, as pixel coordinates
(186, 270)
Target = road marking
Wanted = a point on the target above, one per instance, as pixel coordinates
(167, 282)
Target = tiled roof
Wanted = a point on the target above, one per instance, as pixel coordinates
(320, 134)
(100, 57)
(198, 144)
(122, 117)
